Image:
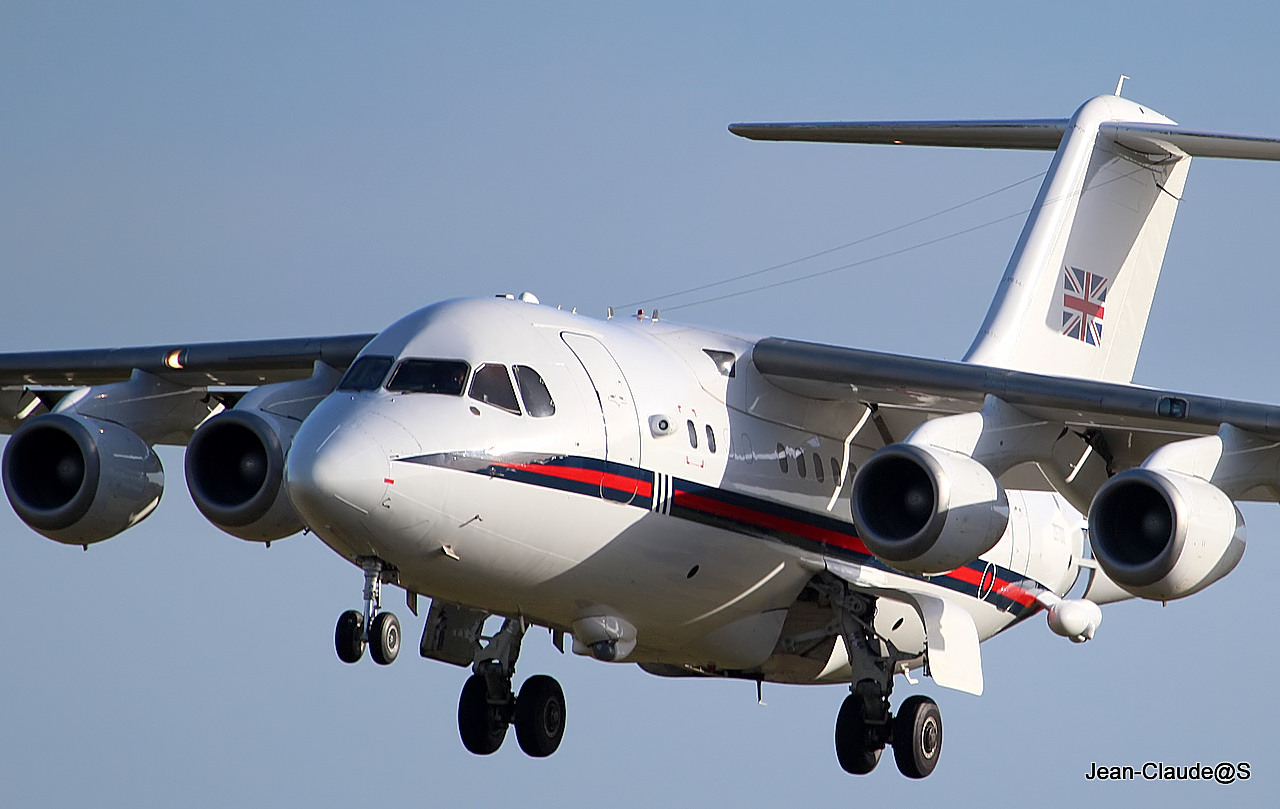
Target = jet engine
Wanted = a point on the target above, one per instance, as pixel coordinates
(235, 461)
(235, 472)
(1164, 535)
(927, 510)
(80, 480)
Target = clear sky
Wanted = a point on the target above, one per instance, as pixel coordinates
(173, 172)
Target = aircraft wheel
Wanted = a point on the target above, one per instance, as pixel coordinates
(540, 716)
(384, 638)
(917, 736)
(481, 725)
(349, 636)
(856, 750)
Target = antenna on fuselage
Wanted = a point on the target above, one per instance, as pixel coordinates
(1120, 84)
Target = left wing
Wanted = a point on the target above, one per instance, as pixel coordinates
(1107, 427)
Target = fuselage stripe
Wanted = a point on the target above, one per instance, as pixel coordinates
(742, 514)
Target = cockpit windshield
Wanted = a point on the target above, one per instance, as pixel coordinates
(366, 373)
(448, 377)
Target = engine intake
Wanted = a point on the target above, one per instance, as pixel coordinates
(927, 510)
(1163, 535)
(80, 480)
(235, 472)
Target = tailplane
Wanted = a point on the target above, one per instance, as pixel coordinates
(1075, 297)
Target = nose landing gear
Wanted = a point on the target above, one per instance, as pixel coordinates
(380, 631)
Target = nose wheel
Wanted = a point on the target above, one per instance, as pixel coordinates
(378, 630)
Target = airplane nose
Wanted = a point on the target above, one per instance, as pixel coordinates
(336, 472)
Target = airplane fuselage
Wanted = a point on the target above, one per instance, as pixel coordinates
(673, 488)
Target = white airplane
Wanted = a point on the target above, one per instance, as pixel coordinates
(708, 504)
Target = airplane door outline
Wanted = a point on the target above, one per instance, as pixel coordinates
(617, 408)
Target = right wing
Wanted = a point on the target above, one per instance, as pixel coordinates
(32, 383)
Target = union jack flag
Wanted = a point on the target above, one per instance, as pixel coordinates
(1083, 296)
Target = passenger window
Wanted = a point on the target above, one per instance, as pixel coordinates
(800, 467)
(817, 467)
(492, 385)
(711, 440)
(366, 373)
(693, 435)
(537, 399)
(430, 376)
(835, 468)
(782, 458)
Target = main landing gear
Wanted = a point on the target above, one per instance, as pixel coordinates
(380, 631)
(865, 724)
(488, 706)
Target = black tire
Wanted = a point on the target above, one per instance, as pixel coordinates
(540, 716)
(856, 750)
(480, 724)
(384, 638)
(917, 736)
(349, 636)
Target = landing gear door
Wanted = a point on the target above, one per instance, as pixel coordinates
(618, 409)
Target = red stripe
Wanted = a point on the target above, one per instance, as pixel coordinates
(752, 516)
(593, 477)
(767, 520)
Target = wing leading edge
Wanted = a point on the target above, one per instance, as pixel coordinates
(244, 362)
(941, 386)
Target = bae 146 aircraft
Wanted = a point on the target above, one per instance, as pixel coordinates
(700, 503)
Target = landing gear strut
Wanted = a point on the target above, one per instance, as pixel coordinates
(865, 724)
(379, 630)
(488, 706)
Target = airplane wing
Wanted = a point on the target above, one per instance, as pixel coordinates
(32, 383)
(1122, 423)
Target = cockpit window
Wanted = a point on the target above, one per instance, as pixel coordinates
(492, 385)
(366, 373)
(430, 376)
(537, 399)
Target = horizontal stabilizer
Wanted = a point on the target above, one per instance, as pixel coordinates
(1178, 140)
(1043, 133)
(1032, 133)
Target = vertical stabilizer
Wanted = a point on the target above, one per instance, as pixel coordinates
(1075, 297)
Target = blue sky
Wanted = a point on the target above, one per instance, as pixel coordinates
(174, 172)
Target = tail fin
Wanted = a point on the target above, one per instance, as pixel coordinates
(1075, 297)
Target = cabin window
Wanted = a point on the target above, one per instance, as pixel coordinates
(800, 465)
(782, 458)
(693, 435)
(492, 385)
(711, 440)
(537, 399)
(835, 468)
(448, 377)
(366, 373)
(817, 467)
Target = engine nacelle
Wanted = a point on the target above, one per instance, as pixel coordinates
(926, 510)
(1163, 535)
(80, 480)
(235, 472)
